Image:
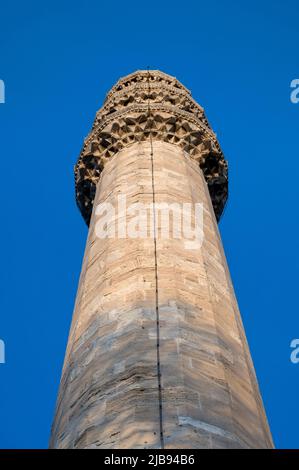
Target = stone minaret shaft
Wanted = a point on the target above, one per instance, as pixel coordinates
(157, 356)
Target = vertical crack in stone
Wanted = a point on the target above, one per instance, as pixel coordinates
(156, 286)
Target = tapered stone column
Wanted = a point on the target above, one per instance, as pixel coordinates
(157, 356)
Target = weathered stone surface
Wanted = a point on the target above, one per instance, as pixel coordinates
(109, 394)
(157, 355)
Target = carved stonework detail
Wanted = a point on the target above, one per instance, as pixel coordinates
(150, 105)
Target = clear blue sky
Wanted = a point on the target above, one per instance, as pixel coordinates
(58, 59)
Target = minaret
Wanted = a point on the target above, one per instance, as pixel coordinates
(157, 356)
